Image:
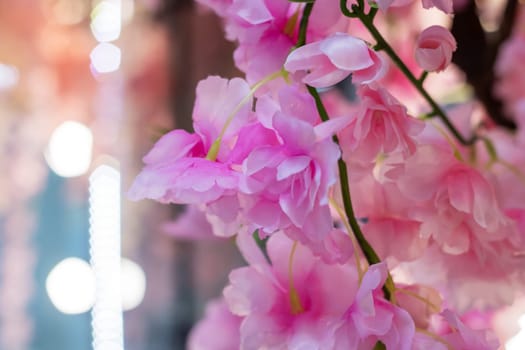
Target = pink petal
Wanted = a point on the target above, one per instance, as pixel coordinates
(347, 52)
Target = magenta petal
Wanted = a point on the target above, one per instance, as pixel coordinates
(171, 146)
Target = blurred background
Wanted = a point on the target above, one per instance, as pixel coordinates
(86, 87)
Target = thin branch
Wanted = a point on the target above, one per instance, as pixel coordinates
(382, 44)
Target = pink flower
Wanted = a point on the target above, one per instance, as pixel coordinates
(266, 30)
(434, 48)
(462, 211)
(380, 125)
(371, 318)
(285, 185)
(186, 177)
(387, 224)
(177, 170)
(327, 62)
(291, 311)
(218, 330)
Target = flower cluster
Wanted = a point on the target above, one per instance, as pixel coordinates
(376, 224)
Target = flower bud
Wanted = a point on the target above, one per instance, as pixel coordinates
(434, 48)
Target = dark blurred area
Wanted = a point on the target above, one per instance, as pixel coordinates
(86, 88)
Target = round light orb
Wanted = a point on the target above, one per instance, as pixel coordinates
(105, 58)
(517, 342)
(71, 286)
(9, 77)
(133, 284)
(106, 21)
(69, 150)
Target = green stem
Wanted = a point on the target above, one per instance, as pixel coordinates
(345, 10)
(303, 25)
(372, 13)
(368, 251)
(423, 77)
(382, 44)
(379, 346)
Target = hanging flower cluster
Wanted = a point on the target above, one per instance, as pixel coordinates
(380, 227)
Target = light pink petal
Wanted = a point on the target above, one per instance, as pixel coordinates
(333, 301)
(291, 166)
(296, 102)
(326, 18)
(266, 214)
(375, 72)
(219, 100)
(460, 191)
(218, 330)
(304, 57)
(279, 247)
(253, 255)
(261, 158)
(249, 292)
(331, 127)
(325, 75)
(434, 48)
(373, 279)
(402, 329)
(347, 52)
(485, 208)
(377, 323)
(253, 12)
(297, 135)
(318, 224)
(251, 137)
(263, 329)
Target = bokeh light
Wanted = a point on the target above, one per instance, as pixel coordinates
(69, 150)
(133, 284)
(105, 58)
(105, 217)
(71, 286)
(9, 76)
(106, 21)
